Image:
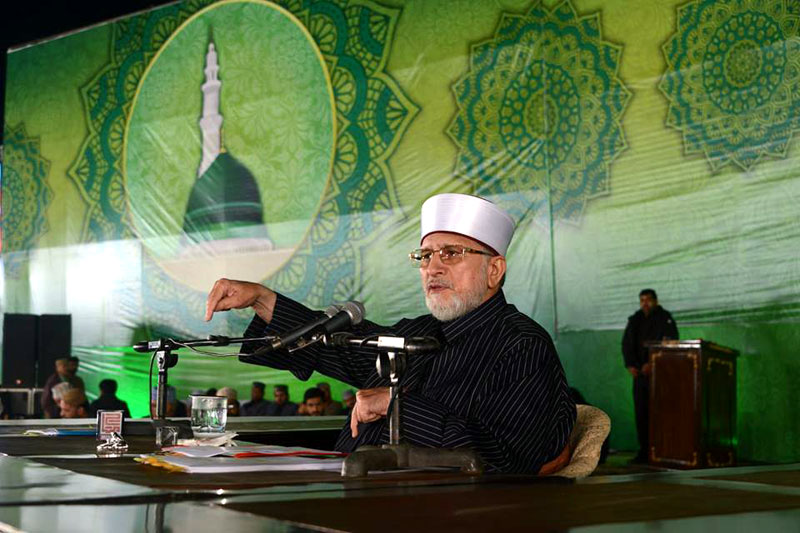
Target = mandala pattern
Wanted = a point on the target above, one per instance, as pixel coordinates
(26, 194)
(107, 99)
(539, 112)
(372, 115)
(732, 79)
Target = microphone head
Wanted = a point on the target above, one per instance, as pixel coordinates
(355, 311)
(332, 310)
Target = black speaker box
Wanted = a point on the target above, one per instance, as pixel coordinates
(19, 350)
(54, 341)
(31, 345)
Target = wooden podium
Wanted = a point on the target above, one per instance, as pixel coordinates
(692, 404)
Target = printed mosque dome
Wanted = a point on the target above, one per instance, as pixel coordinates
(224, 203)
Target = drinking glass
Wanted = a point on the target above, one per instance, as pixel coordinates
(209, 415)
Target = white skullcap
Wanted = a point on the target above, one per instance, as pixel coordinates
(470, 216)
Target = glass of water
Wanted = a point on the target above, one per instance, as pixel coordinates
(209, 415)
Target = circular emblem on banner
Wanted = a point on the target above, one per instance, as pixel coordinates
(229, 144)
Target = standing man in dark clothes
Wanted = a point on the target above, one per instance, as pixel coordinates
(650, 323)
(108, 401)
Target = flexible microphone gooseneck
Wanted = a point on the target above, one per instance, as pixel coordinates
(336, 318)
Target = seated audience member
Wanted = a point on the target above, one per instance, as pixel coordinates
(108, 401)
(282, 406)
(314, 402)
(173, 406)
(233, 400)
(65, 373)
(57, 392)
(73, 403)
(332, 407)
(257, 406)
(195, 392)
(210, 392)
(349, 400)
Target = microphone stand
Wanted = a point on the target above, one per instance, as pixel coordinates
(166, 359)
(391, 364)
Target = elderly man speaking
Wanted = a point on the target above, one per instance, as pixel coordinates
(495, 385)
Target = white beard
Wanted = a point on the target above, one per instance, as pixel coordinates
(458, 304)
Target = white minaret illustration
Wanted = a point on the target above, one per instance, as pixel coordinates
(211, 121)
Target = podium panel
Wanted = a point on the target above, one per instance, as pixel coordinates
(692, 404)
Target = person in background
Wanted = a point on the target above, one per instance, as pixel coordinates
(210, 392)
(650, 323)
(73, 403)
(65, 373)
(314, 402)
(173, 406)
(332, 407)
(257, 406)
(72, 366)
(233, 400)
(58, 392)
(348, 400)
(282, 406)
(108, 401)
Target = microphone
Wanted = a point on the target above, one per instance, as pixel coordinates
(336, 318)
(409, 345)
(152, 346)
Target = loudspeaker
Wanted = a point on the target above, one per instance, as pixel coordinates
(20, 334)
(15, 404)
(54, 342)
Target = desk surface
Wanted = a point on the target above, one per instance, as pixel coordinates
(57, 476)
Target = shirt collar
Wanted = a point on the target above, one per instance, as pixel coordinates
(485, 312)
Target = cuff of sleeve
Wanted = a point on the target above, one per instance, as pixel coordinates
(289, 314)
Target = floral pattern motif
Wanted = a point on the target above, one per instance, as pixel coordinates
(539, 112)
(26, 194)
(372, 114)
(732, 77)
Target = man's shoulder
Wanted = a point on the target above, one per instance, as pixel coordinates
(637, 316)
(517, 326)
(664, 315)
(661, 310)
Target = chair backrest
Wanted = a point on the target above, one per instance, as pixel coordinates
(586, 442)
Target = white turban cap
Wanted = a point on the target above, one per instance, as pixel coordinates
(470, 216)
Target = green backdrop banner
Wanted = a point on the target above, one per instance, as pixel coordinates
(636, 143)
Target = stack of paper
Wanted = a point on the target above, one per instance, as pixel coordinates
(231, 459)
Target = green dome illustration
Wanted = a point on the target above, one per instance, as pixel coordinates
(225, 202)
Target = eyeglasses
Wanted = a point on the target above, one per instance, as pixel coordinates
(449, 254)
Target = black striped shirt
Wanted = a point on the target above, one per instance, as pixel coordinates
(496, 385)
